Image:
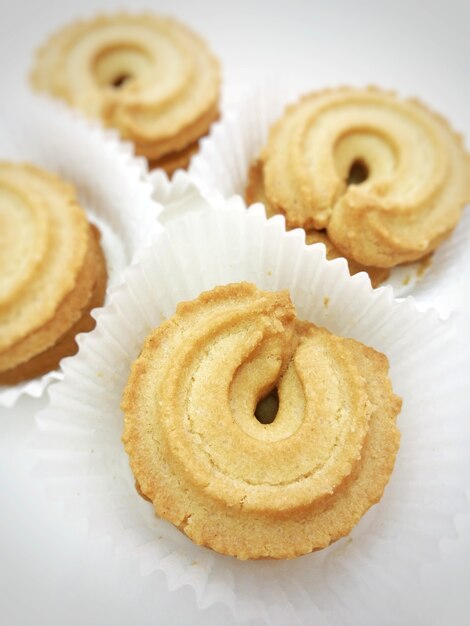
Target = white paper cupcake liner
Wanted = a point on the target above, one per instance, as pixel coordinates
(182, 196)
(109, 180)
(365, 577)
(224, 160)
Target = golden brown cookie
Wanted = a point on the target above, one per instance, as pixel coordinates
(234, 484)
(255, 192)
(148, 76)
(387, 178)
(52, 271)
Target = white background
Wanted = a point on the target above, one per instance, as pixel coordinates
(52, 573)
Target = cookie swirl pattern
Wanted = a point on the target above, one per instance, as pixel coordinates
(234, 484)
(52, 271)
(150, 77)
(44, 241)
(387, 178)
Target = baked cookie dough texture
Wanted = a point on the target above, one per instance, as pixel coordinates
(415, 174)
(52, 271)
(256, 192)
(150, 77)
(229, 482)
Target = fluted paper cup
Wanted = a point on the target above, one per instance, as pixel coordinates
(372, 573)
(235, 142)
(109, 180)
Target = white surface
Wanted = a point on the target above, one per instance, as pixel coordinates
(50, 573)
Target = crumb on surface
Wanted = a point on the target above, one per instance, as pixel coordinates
(424, 264)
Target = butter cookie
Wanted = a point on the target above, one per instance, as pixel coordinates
(200, 452)
(150, 77)
(52, 274)
(387, 178)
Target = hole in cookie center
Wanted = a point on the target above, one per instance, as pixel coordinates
(358, 172)
(120, 80)
(267, 408)
(114, 66)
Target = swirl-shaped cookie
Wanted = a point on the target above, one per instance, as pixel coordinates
(387, 178)
(52, 271)
(230, 482)
(150, 77)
